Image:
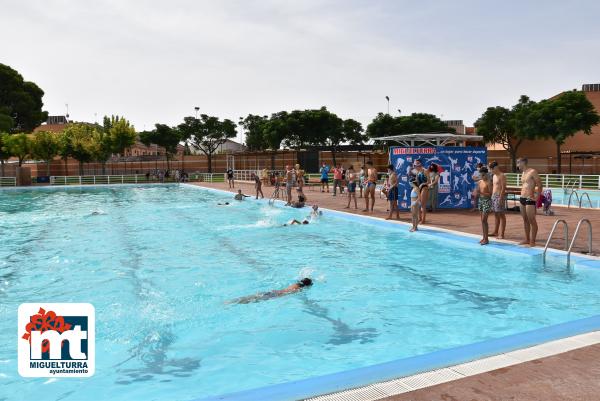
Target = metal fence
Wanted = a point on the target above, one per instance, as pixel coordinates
(566, 181)
(128, 179)
(8, 181)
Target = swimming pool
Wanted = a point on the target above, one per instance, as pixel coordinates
(561, 198)
(159, 264)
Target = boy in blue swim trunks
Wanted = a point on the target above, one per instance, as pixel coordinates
(393, 192)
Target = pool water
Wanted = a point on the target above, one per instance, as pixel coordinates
(561, 198)
(159, 263)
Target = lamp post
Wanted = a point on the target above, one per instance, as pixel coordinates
(197, 109)
(388, 104)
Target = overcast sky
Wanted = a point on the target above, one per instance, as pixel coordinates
(153, 61)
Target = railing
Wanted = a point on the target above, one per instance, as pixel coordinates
(8, 181)
(565, 181)
(565, 232)
(246, 175)
(575, 237)
(97, 179)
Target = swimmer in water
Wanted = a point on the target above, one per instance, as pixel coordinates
(222, 204)
(294, 221)
(264, 296)
(315, 212)
(240, 196)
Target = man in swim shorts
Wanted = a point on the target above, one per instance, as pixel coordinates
(498, 200)
(230, 177)
(324, 170)
(370, 186)
(484, 202)
(531, 186)
(263, 296)
(393, 192)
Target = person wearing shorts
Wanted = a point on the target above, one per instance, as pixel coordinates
(351, 175)
(393, 192)
(484, 203)
(324, 170)
(498, 200)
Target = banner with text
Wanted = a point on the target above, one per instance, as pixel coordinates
(456, 167)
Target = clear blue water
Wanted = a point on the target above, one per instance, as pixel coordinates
(161, 262)
(559, 197)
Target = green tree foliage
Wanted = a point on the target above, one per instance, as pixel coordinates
(20, 102)
(562, 117)
(164, 136)
(4, 151)
(77, 141)
(19, 145)
(44, 146)
(386, 125)
(496, 125)
(255, 128)
(207, 133)
(121, 134)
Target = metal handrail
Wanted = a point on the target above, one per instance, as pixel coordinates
(588, 198)
(575, 237)
(565, 231)
(570, 196)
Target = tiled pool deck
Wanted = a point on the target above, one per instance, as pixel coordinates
(572, 374)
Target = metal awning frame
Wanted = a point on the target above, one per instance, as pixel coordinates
(430, 139)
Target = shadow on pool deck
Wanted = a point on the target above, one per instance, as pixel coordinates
(458, 220)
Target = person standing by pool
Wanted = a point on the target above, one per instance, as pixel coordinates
(337, 179)
(530, 189)
(415, 205)
(299, 177)
(289, 183)
(498, 200)
(476, 177)
(257, 185)
(434, 180)
(485, 202)
(230, 178)
(370, 186)
(351, 175)
(361, 180)
(393, 192)
(422, 178)
(324, 170)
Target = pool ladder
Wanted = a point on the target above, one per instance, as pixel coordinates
(579, 198)
(569, 247)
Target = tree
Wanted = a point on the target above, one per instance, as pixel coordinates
(208, 133)
(65, 148)
(255, 128)
(164, 136)
(386, 125)
(19, 145)
(20, 101)
(496, 126)
(4, 151)
(563, 116)
(44, 146)
(77, 142)
(101, 147)
(276, 129)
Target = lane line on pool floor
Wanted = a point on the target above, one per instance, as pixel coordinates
(378, 391)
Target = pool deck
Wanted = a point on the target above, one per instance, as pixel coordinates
(571, 375)
(458, 220)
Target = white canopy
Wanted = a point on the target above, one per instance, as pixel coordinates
(430, 138)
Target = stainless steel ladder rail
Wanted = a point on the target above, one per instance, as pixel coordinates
(588, 198)
(565, 231)
(575, 237)
(574, 192)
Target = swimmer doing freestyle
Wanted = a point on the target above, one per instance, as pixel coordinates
(264, 296)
